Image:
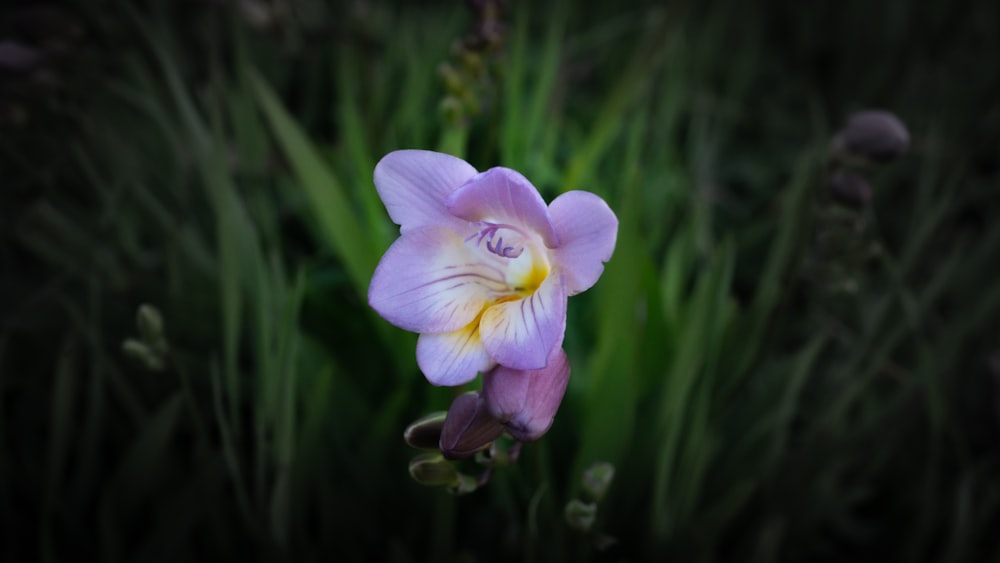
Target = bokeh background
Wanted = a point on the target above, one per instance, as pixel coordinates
(776, 368)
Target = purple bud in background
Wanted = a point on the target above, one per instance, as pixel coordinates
(876, 136)
(849, 188)
(526, 401)
(468, 427)
(17, 57)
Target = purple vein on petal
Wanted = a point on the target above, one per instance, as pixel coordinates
(428, 282)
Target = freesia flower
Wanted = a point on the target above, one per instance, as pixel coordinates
(483, 268)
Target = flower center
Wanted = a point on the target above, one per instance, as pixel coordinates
(522, 260)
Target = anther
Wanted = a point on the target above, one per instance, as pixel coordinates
(489, 232)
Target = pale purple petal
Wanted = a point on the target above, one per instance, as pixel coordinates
(502, 195)
(431, 281)
(520, 334)
(588, 230)
(468, 427)
(414, 185)
(453, 358)
(527, 401)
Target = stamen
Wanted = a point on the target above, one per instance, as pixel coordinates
(488, 233)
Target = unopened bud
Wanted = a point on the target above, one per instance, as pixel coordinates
(142, 353)
(18, 57)
(527, 400)
(581, 515)
(597, 478)
(872, 136)
(433, 470)
(452, 80)
(425, 433)
(150, 323)
(452, 109)
(468, 427)
(849, 188)
(464, 485)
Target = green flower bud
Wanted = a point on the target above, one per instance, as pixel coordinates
(453, 83)
(142, 353)
(425, 433)
(150, 323)
(581, 515)
(465, 484)
(433, 470)
(597, 478)
(453, 109)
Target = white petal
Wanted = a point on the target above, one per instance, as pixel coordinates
(453, 358)
(430, 281)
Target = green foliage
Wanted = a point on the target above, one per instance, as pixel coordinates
(751, 408)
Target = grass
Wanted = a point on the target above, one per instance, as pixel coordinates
(753, 408)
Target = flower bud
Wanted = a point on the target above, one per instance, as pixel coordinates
(452, 109)
(464, 485)
(433, 470)
(872, 136)
(142, 353)
(849, 188)
(468, 427)
(453, 83)
(597, 478)
(150, 323)
(425, 433)
(526, 401)
(18, 57)
(581, 515)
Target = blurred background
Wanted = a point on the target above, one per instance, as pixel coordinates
(794, 354)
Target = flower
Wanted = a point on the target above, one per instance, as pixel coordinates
(482, 268)
(482, 271)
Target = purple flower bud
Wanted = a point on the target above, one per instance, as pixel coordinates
(526, 401)
(468, 427)
(850, 188)
(18, 57)
(872, 135)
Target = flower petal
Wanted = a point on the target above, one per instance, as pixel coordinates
(527, 401)
(588, 230)
(430, 281)
(453, 358)
(468, 427)
(520, 334)
(502, 195)
(414, 184)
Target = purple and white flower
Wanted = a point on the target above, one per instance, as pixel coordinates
(482, 270)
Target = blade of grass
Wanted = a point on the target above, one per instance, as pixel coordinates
(329, 201)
